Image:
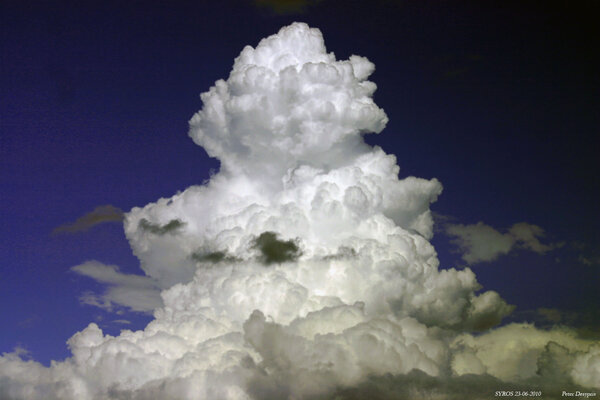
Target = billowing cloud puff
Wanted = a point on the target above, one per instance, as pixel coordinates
(520, 351)
(303, 267)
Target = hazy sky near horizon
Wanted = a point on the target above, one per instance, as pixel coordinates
(498, 102)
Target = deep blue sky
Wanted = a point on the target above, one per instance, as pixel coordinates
(500, 102)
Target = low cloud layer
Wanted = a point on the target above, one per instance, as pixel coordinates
(302, 270)
(100, 215)
(480, 242)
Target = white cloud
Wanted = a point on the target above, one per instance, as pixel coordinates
(521, 351)
(358, 295)
(586, 367)
(480, 242)
(527, 236)
(136, 292)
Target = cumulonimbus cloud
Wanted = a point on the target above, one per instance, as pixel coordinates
(303, 268)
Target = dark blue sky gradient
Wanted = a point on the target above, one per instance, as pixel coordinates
(500, 102)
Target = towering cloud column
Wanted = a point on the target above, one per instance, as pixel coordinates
(302, 267)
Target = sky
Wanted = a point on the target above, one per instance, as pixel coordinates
(497, 102)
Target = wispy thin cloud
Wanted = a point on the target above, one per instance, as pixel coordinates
(136, 292)
(285, 7)
(100, 215)
(482, 243)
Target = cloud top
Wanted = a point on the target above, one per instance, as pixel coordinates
(286, 103)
